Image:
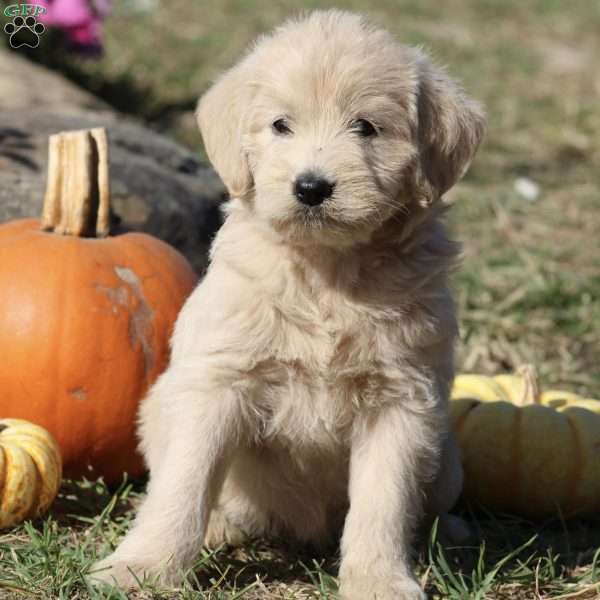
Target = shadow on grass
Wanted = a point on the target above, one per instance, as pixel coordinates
(271, 562)
(80, 502)
(508, 549)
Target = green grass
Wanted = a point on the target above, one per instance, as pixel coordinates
(528, 289)
(510, 558)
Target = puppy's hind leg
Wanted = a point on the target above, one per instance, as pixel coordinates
(203, 419)
(221, 530)
(241, 512)
(443, 494)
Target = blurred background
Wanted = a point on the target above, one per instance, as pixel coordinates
(528, 210)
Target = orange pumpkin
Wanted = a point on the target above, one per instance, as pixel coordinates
(84, 320)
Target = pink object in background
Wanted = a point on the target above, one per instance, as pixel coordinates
(79, 19)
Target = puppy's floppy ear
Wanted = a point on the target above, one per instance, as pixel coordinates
(450, 128)
(222, 117)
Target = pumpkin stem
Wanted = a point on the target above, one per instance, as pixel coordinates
(531, 389)
(77, 200)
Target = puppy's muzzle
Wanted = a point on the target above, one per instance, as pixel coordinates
(312, 189)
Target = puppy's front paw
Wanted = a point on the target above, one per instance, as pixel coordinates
(383, 588)
(129, 573)
(112, 572)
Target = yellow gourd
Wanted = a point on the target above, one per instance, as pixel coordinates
(524, 451)
(30, 471)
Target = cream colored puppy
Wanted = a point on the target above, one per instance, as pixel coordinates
(310, 369)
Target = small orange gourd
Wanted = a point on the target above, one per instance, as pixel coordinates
(85, 316)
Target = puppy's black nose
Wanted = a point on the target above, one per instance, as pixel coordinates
(312, 189)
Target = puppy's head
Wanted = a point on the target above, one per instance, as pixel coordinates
(328, 128)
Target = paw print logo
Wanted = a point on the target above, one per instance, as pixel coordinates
(24, 32)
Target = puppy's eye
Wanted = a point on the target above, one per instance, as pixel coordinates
(364, 128)
(281, 127)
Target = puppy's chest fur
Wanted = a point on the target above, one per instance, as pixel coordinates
(328, 357)
(323, 338)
